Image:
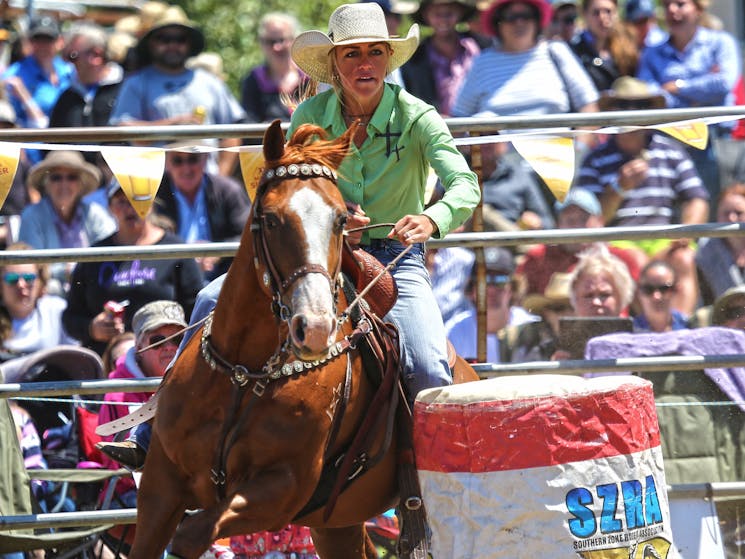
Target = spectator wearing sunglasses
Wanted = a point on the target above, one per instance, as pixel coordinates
(657, 284)
(30, 318)
(157, 327)
(564, 20)
(729, 309)
(63, 218)
(165, 92)
(204, 206)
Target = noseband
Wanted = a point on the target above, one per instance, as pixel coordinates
(271, 279)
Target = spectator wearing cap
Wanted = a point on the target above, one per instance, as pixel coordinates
(579, 210)
(158, 328)
(606, 48)
(205, 207)
(437, 70)
(538, 341)
(165, 92)
(266, 87)
(63, 218)
(35, 82)
(564, 16)
(657, 284)
(640, 178)
(729, 308)
(695, 67)
(94, 284)
(642, 16)
(501, 309)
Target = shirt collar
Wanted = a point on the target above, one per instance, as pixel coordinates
(333, 119)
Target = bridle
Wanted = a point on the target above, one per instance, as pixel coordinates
(270, 278)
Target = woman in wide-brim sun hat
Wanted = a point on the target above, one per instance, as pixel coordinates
(397, 137)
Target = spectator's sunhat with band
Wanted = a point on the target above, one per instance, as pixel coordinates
(555, 294)
(488, 23)
(348, 25)
(156, 314)
(628, 94)
(720, 311)
(175, 17)
(90, 176)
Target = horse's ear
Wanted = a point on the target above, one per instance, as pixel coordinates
(274, 142)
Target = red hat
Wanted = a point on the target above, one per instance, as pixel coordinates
(487, 16)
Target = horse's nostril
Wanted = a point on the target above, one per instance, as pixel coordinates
(299, 324)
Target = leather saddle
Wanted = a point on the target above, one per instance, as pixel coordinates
(362, 267)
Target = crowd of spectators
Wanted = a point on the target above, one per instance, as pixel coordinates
(503, 57)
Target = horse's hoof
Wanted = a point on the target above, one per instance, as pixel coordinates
(127, 453)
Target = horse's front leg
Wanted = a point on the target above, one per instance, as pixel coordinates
(160, 504)
(350, 542)
(265, 502)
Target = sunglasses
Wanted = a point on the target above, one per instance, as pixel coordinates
(191, 159)
(168, 39)
(12, 278)
(631, 104)
(733, 313)
(59, 177)
(568, 20)
(160, 339)
(650, 289)
(514, 17)
(499, 280)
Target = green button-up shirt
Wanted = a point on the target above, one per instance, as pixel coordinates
(387, 175)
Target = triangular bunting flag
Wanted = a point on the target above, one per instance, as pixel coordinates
(139, 173)
(552, 159)
(9, 155)
(695, 134)
(252, 165)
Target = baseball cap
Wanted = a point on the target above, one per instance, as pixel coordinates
(44, 26)
(583, 199)
(499, 263)
(156, 314)
(639, 9)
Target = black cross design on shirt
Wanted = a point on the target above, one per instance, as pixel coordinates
(388, 136)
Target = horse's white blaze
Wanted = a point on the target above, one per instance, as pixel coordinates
(312, 297)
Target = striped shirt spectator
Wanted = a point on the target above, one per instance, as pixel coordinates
(671, 180)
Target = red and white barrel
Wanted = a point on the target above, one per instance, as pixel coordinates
(543, 466)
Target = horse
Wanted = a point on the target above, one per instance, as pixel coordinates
(251, 410)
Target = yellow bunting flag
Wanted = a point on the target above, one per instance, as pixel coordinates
(9, 155)
(695, 134)
(139, 173)
(252, 165)
(552, 159)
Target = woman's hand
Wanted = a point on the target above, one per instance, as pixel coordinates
(105, 326)
(412, 229)
(355, 218)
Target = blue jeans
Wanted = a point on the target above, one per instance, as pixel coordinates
(417, 317)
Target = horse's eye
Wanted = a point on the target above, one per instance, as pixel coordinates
(340, 222)
(271, 221)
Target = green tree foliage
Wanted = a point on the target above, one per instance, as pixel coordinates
(231, 27)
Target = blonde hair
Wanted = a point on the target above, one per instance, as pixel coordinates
(597, 260)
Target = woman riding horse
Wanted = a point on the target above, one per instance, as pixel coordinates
(383, 179)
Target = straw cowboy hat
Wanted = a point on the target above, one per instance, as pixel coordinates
(350, 24)
(556, 293)
(174, 16)
(630, 93)
(90, 176)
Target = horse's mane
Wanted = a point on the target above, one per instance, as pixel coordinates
(309, 145)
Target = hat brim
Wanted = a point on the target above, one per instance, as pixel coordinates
(196, 40)
(719, 306)
(311, 49)
(536, 302)
(487, 16)
(90, 176)
(610, 102)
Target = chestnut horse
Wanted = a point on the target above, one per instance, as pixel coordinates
(239, 438)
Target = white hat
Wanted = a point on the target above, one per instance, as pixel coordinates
(348, 25)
